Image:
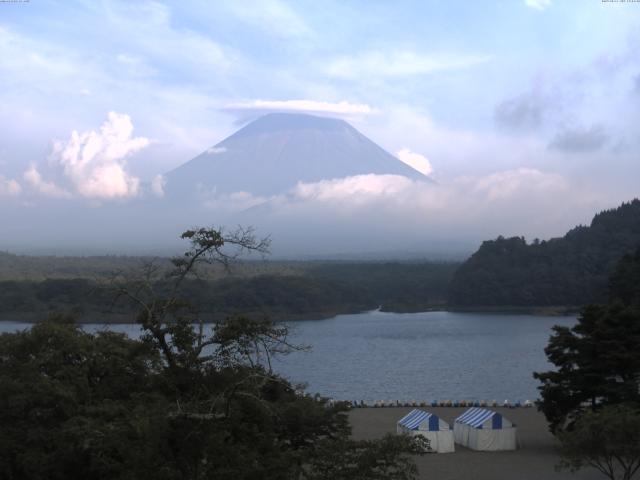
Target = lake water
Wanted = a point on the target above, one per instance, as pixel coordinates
(420, 356)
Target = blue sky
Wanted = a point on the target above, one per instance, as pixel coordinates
(479, 89)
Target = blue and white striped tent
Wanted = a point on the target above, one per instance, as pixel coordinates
(482, 429)
(430, 426)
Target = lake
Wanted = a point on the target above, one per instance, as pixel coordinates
(418, 356)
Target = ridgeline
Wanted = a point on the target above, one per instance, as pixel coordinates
(569, 271)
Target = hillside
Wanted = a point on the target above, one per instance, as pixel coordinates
(275, 152)
(571, 270)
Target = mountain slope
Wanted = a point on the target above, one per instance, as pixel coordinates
(275, 152)
(572, 270)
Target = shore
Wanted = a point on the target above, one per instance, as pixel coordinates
(107, 318)
(534, 460)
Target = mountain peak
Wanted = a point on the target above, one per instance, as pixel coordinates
(272, 154)
(294, 121)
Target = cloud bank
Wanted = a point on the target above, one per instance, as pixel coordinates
(157, 185)
(385, 212)
(580, 140)
(415, 161)
(49, 189)
(391, 212)
(93, 164)
(307, 106)
(9, 187)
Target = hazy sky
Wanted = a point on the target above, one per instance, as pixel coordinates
(526, 112)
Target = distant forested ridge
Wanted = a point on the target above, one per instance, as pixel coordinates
(393, 286)
(282, 291)
(504, 273)
(572, 270)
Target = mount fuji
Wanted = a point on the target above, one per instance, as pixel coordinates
(277, 151)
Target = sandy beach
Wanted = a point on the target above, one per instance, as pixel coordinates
(534, 460)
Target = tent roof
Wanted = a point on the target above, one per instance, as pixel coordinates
(475, 417)
(414, 418)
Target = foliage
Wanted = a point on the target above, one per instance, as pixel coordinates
(598, 363)
(608, 440)
(597, 360)
(37, 268)
(625, 282)
(75, 405)
(396, 286)
(572, 270)
(181, 403)
(316, 290)
(363, 460)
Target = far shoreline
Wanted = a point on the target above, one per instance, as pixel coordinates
(102, 318)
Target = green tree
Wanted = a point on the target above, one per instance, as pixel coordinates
(568, 271)
(71, 403)
(598, 363)
(625, 282)
(183, 402)
(607, 440)
(366, 460)
(597, 360)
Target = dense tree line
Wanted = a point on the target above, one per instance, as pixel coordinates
(395, 286)
(278, 296)
(103, 267)
(323, 289)
(572, 270)
(592, 398)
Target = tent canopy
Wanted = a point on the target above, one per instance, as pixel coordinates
(483, 418)
(421, 420)
(427, 425)
(482, 429)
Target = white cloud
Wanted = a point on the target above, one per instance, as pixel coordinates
(312, 106)
(508, 184)
(9, 187)
(591, 107)
(415, 161)
(538, 4)
(355, 188)
(150, 31)
(458, 151)
(398, 64)
(93, 163)
(157, 185)
(495, 187)
(48, 189)
(216, 150)
(272, 16)
(384, 210)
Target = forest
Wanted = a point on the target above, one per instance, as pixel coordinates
(302, 290)
(570, 271)
(563, 273)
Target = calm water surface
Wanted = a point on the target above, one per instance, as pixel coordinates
(419, 356)
(422, 356)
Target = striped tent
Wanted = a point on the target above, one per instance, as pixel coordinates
(482, 429)
(430, 426)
